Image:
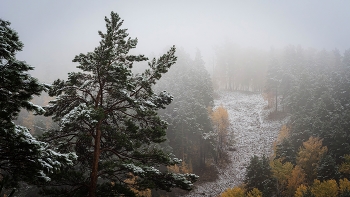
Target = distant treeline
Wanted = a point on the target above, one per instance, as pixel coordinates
(240, 68)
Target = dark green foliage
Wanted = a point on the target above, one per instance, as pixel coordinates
(317, 111)
(107, 189)
(327, 169)
(189, 122)
(22, 157)
(345, 194)
(308, 193)
(17, 87)
(318, 102)
(5, 183)
(286, 151)
(108, 116)
(259, 175)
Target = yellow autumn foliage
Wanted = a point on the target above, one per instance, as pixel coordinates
(131, 180)
(327, 188)
(254, 193)
(309, 155)
(301, 190)
(281, 171)
(221, 124)
(295, 180)
(282, 134)
(344, 185)
(220, 119)
(182, 168)
(345, 166)
(234, 192)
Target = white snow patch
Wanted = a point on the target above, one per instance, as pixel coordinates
(253, 135)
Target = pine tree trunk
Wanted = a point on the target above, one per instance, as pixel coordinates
(94, 170)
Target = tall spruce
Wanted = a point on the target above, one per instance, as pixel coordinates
(108, 115)
(22, 157)
(189, 121)
(259, 175)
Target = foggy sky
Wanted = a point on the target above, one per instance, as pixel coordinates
(53, 32)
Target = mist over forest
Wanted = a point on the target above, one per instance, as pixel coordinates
(182, 98)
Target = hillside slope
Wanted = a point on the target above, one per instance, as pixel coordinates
(253, 135)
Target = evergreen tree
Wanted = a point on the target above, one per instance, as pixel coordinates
(327, 169)
(259, 175)
(319, 104)
(189, 121)
(109, 117)
(22, 157)
(286, 151)
(346, 58)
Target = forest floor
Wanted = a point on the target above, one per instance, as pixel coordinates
(253, 134)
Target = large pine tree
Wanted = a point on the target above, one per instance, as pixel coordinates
(108, 115)
(22, 157)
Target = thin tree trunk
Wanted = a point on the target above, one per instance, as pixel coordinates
(94, 170)
(200, 152)
(204, 149)
(276, 98)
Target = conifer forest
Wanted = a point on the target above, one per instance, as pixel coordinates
(166, 99)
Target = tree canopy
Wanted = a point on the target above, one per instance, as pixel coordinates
(108, 116)
(22, 157)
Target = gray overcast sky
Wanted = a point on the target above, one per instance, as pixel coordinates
(53, 32)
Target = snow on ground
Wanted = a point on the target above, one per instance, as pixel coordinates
(253, 135)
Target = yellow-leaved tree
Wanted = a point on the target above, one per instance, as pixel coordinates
(327, 188)
(344, 186)
(301, 191)
(295, 180)
(281, 172)
(254, 193)
(345, 166)
(234, 192)
(221, 123)
(309, 155)
(282, 134)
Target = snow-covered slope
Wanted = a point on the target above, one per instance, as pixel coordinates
(253, 135)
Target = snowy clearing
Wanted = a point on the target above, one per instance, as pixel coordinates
(253, 135)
